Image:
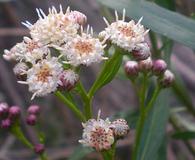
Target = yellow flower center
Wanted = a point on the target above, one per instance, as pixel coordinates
(127, 31)
(43, 73)
(84, 47)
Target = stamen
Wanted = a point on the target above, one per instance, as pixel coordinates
(106, 21)
(43, 14)
(116, 15)
(139, 21)
(124, 12)
(88, 29)
(68, 9)
(39, 15)
(22, 82)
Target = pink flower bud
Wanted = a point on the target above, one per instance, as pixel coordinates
(131, 68)
(159, 67)
(142, 52)
(31, 120)
(34, 109)
(6, 123)
(78, 17)
(4, 108)
(68, 79)
(39, 148)
(167, 79)
(145, 65)
(14, 112)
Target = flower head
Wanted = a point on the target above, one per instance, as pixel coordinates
(97, 134)
(28, 50)
(83, 49)
(120, 128)
(55, 28)
(126, 35)
(43, 77)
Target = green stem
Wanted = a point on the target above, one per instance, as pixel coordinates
(143, 92)
(70, 105)
(109, 154)
(43, 157)
(141, 121)
(16, 131)
(86, 100)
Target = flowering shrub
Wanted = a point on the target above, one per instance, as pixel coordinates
(49, 62)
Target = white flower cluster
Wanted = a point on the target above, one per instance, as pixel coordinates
(42, 70)
(101, 134)
(62, 32)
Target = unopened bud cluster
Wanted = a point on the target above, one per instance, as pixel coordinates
(101, 134)
(33, 113)
(157, 67)
(8, 115)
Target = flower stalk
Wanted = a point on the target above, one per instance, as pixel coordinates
(71, 106)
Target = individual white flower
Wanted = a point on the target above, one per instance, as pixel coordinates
(43, 77)
(78, 17)
(55, 28)
(97, 134)
(28, 50)
(68, 79)
(83, 49)
(124, 34)
(20, 70)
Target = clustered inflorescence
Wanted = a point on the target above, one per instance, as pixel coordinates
(10, 116)
(41, 69)
(49, 60)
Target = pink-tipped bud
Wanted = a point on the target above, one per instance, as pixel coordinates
(20, 70)
(31, 120)
(39, 148)
(68, 79)
(131, 69)
(34, 109)
(4, 108)
(167, 79)
(120, 128)
(142, 52)
(159, 67)
(77, 17)
(14, 112)
(145, 65)
(6, 123)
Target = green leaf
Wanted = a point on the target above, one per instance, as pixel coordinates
(182, 94)
(154, 129)
(108, 72)
(80, 152)
(169, 4)
(187, 135)
(158, 19)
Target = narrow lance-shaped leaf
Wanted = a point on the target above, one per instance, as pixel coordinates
(108, 72)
